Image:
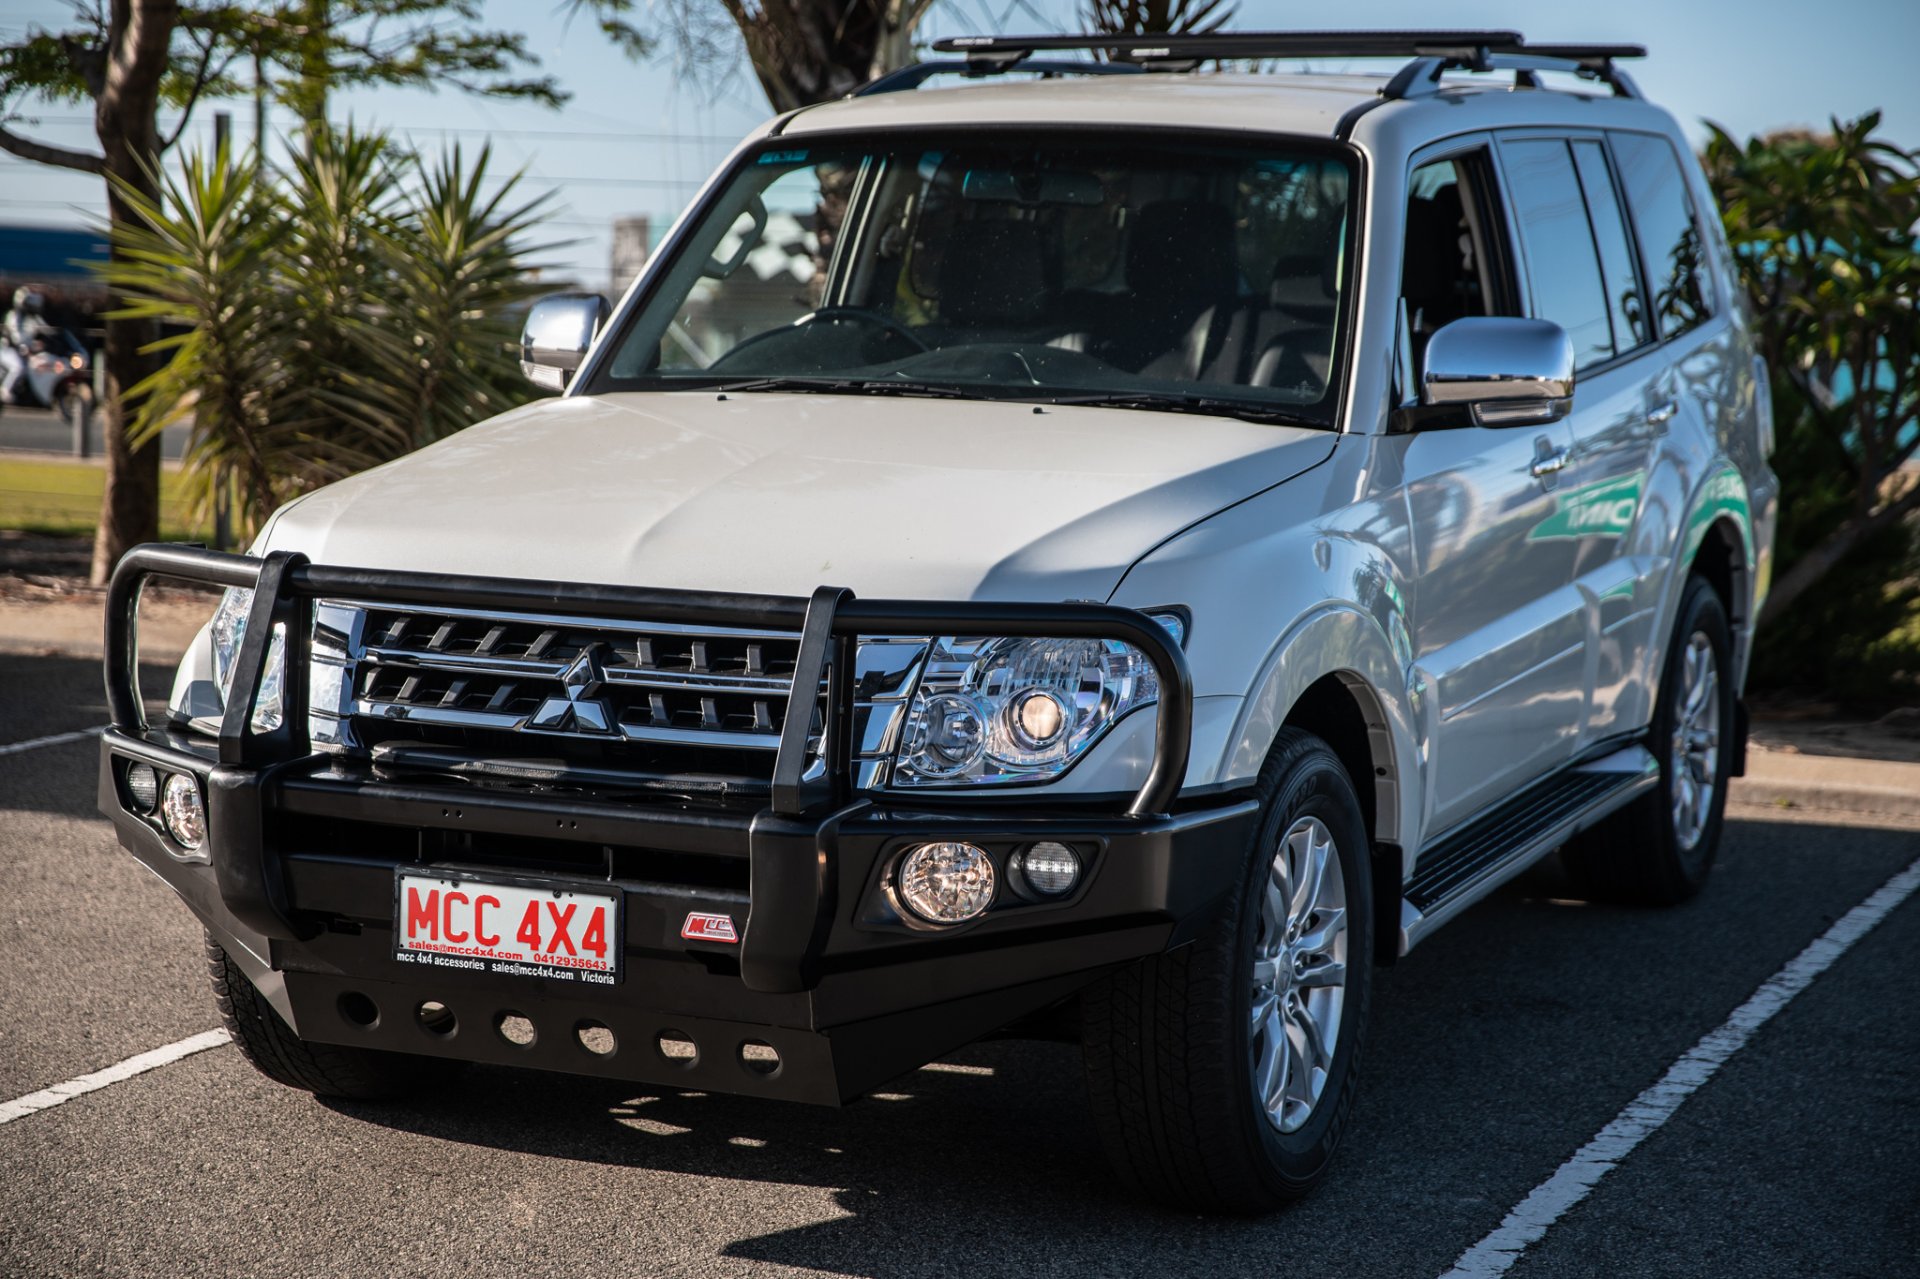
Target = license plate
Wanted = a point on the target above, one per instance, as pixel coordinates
(523, 929)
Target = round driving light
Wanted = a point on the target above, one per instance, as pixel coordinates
(946, 883)
(186, 815)
(143, 788)
(1037, 718)
(1050, 869)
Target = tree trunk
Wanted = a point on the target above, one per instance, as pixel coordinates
(307, 93)
(140, 33)
(1817, 562)
(810, 51)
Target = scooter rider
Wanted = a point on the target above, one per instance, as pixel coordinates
(25, 322)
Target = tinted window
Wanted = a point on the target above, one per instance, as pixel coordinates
(1443, 276)
(1616, 250)
(1669, 237)
(1561, 260)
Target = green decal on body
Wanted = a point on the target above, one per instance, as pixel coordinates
(1724, 494)
(1603, 508)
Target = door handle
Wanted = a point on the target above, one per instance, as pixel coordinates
(1549, 464)
(1662, 414)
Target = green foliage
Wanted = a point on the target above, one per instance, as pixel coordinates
(331, 317)
(1823, 231)
(459, 280)
(301, 49)
(1156, 17)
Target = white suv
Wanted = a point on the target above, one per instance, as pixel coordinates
(1115, 547)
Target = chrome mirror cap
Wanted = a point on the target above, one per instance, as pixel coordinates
(557, 334)
(1503, 371)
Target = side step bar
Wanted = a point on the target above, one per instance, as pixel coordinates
(1496, 846)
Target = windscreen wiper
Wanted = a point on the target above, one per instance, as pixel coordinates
(1177, 402)
(844, 386)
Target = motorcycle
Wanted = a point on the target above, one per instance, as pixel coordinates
(59, 376)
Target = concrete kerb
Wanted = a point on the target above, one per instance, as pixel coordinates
(1829, 783)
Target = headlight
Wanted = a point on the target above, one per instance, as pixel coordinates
(228, 632)
(228, 629)
(1018, 710)
(268, 707)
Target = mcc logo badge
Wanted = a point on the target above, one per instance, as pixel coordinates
(701, 927)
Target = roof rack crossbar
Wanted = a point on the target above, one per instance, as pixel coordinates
(1432, 52)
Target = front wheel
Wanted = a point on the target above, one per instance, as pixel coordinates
(326, 1070)
(1657, 851)
(74, 405)
(1222, 1073)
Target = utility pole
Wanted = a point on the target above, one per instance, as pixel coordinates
(222, 491)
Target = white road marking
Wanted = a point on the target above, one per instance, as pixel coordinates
(1645, 1114)
(57, 739)
(60, 1094)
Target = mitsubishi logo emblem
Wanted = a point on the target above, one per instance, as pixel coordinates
(577, 709)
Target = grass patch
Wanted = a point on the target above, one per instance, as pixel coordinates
(62, 499)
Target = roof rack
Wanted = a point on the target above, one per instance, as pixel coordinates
(1432, 52)
(915, 74)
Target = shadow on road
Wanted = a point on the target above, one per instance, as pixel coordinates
(1001, 1169)
(1499, 1048)
(992, 1157)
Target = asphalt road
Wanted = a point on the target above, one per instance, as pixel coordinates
(1500, 1048)
(38, 430)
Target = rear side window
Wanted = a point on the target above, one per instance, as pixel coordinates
(1630, 327)
(1669, 235)
(1562, 263)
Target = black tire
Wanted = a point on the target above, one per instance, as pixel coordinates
(326, 1070)
(1638, 856)
(1167, 1043)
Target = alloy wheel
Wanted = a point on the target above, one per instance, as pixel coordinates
(1694, 762)
(1299, 975)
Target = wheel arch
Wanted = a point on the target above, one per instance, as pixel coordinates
(1334, 674)
(1718, 544)
(1342, 710)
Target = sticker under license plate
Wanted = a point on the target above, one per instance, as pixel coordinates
(521, 930)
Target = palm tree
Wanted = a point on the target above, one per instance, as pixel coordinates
(328, 317)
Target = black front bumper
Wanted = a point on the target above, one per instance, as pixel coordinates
(296, 878)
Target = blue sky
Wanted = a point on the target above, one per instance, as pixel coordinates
(635, 140)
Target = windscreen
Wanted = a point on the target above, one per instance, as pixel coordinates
(1051, 268)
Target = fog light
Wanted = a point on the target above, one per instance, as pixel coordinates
(186, 815)
(143, 788)
(1050, 869)
(946, 883)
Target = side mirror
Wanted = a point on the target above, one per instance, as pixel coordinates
(558, 331)
(1499, 370)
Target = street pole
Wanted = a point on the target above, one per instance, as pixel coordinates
(222, 502)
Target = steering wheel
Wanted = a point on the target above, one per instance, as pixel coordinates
(830, 314)
(863, 316)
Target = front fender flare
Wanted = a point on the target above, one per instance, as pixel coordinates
(1339, 639)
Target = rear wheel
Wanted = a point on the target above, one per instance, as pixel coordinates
(327, 1070)
(1659, 849)
(1222, 1073)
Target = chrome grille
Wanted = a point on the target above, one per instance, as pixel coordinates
(588, 680)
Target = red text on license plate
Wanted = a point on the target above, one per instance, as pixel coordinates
(446, 922)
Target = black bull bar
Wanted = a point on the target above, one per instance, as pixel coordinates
(792, 886)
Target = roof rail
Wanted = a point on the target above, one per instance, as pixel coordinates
(914, 74)
(1432, 52)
